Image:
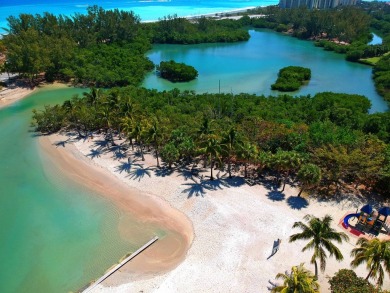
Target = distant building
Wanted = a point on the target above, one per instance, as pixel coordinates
(316, 4)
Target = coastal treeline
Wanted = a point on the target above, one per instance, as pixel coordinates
(172, 29)
(328, 141)
(346, 24)
(101, 48)
(107, 48)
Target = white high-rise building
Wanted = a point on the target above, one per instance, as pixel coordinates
(316, 4)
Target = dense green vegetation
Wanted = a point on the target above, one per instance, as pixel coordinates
(275, 135)
(298, 280)
(179, 30)
(291, 78)
(176, 72)
(348, 24)
(101, 48)
(346, 281)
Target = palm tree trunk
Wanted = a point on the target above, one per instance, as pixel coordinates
(212, 166)
(141, 150)
(229, 168)
(316, 270)
(158, 164)
(245, 171)
(369, 274)
(131, 143)
(300, 192)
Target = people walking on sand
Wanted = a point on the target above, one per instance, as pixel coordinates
(278, 245)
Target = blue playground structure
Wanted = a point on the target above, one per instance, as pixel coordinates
(369, 220)
(349, 216)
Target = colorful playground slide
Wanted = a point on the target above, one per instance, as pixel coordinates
(347, 217)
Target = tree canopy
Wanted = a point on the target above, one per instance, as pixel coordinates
(176, 72)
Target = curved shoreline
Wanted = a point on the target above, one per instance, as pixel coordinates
(10, 96)
(166, 253)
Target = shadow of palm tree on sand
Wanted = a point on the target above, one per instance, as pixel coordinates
(276, 195)
(297, 203)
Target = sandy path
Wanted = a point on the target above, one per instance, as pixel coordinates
(235, 227)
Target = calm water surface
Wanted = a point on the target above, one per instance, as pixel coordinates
(56, 235)
(253, 66)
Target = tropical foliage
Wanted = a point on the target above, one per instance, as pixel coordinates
(326, 141)
(291, 78)
(101, 48)
(298, 280)
(346, 281)
(376, 254)
(179, 30)
(320, 235)
(176, 72)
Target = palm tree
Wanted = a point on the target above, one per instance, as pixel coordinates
(127, 125)
(299, 280)
(93, 96)
(321, 235)
(376, 254)
(106, 117)
(292, 161)
(212, 149)
(247, 153)
(309, 175)
(205, 129)
(154, 136)
(230, 141)
(138, 132)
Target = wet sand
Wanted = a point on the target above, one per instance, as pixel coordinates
(162, 256)
(9, 96)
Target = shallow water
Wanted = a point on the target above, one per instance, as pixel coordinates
(56, 235)
(253, 66)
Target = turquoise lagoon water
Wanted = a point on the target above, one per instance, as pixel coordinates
(56, 235)
(146, 9)
(253, 66)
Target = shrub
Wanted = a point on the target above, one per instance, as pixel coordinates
(291, 78)
(176, 71)
(346, 281)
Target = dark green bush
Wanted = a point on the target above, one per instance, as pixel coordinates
(176, 72)
(291, 78)
(346, 281)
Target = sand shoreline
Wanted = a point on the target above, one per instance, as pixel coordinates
(166, 253)
(9, 96)
(234, 224)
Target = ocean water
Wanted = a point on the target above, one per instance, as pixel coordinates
(147, 9)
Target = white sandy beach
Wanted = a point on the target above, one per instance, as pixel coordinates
(13, 94)
(234, 225)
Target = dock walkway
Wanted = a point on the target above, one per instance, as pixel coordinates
(118, 266)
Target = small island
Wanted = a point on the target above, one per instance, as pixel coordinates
(176, 72)
(291, 78)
